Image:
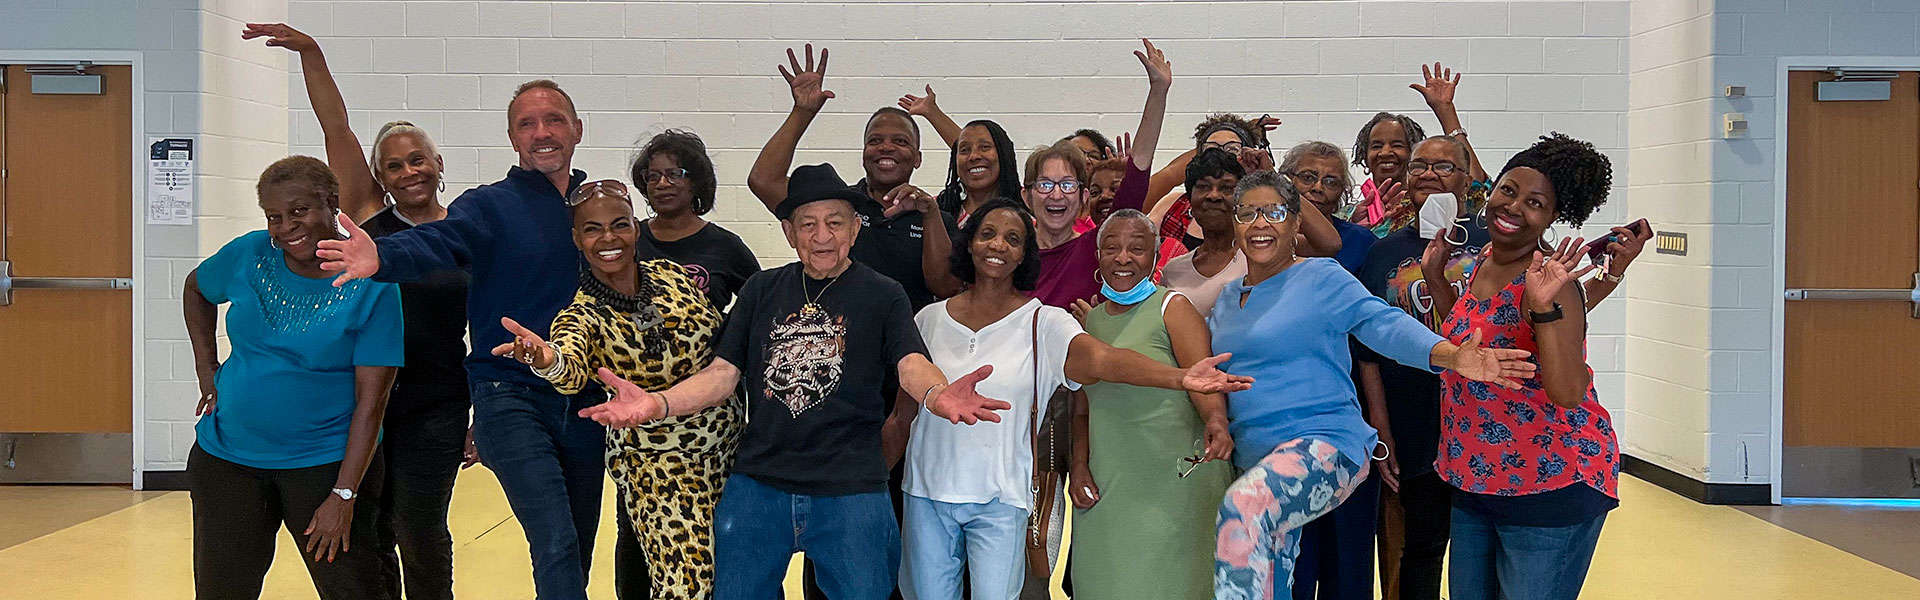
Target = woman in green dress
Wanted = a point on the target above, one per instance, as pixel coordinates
(1148, 486)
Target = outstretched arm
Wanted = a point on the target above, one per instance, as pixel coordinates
(1438, 91)
(1090, 361)
(360, 195)
(925, 108)
(768, 178)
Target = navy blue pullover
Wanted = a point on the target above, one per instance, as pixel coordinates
(515, 238)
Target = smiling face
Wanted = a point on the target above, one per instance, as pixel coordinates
(1387, 150)
(1126, 253)
(1058, 209)
(999, 246)
(823, 234)
(605, 232)
(1520, 208)
(298, 218)
(1100, 193)
(977, 159)
(1264, 242)
(408, 169)
(890, 152)
(544, 130)
(1437, 155)
(668, 189)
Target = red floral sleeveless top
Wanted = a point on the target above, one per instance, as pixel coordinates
(1504, 442)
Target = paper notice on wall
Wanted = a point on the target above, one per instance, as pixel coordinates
(170, 181)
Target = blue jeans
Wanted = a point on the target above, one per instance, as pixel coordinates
(1490, 561)
(940, 539)
(550, 463)
(853, 540)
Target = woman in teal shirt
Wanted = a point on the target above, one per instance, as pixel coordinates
(1298, 432)
(289, 423)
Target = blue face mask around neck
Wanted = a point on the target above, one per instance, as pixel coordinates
(1133, 296)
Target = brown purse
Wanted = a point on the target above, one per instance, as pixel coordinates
(1045, 477)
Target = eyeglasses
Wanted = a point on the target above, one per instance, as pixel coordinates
(1275, 213)
(1233, 148)
(1309, 178)
(1187, 464)
(610, 187)
(1442, 169)
(651, 177)
(1046, 186)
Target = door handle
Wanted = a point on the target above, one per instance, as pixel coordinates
(9, 283)
(1828, 294)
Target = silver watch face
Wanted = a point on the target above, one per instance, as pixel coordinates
(344, 494)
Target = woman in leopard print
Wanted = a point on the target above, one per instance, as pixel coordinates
(650, 324)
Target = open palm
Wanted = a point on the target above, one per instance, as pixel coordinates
(806, 82)
(1550, 274)
(960, 402)
(1159, 69)
(1500, 366)
(1439, 86)
(1207, 378)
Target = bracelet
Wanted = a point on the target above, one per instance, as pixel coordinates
(1458, 132)
(666, 409)
(1612, 278)
(552, 370)
(928, 395)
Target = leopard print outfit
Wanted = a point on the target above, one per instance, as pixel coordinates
(669, 472)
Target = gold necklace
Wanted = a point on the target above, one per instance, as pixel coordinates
(812, 305)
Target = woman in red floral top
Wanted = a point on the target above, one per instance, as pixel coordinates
(1537, 467)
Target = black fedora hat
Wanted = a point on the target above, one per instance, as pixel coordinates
(813, 183)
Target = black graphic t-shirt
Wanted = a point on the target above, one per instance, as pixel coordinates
(1392, 272)
(814, 376)
(894, 246)
(717, 260)
(435, 308)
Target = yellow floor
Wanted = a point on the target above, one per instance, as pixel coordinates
(1657, 545)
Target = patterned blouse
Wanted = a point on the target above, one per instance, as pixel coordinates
(1504, 442)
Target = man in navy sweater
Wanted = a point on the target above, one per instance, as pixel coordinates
(515, 237)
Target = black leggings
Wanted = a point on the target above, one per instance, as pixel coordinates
(238, 510)
(423, 451)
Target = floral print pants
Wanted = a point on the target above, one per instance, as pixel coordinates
(1261, 517)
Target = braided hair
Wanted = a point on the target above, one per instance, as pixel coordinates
(1360, 142)
(954, 195)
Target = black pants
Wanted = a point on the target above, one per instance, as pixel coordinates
(630, 578)
(423, 451)
(238, 510)
(1426, 505)
(1336, 550)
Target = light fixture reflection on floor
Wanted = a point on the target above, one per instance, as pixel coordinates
(1895, 503)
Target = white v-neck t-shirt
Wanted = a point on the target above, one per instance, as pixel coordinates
(977, 464)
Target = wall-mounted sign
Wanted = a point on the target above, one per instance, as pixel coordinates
(170, 182)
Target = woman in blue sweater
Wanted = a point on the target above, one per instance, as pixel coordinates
(1298, 432)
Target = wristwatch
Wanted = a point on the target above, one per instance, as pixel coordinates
(1458, 132)
(345, 494)
(1611, 278)
(1546, 317)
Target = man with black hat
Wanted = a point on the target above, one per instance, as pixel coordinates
(813, 341)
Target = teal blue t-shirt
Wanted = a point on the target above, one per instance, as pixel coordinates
(286, 390)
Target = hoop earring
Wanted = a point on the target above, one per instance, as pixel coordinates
(272, 245)
(443, 185)
(1096, 277)
(1546, 245)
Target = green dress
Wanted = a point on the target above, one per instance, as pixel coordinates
(1151, 535)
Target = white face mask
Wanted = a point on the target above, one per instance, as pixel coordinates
(1438, 214)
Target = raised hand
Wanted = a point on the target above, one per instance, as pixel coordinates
(1548, 274)
(920, 106)
(1394, 197)
(630, 406)
(1207, 378)
(1625, 247)
(959, 402)
(1439, 86)
(279, 34)
(1433, 260)
(906, 198)
(1502, 367)
(1255, 158)
(527, 347)
(1079, 309)
(807, 82)
(1159, 69)
(355, 257)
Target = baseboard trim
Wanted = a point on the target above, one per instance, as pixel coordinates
(1741, 494)
(164, 481)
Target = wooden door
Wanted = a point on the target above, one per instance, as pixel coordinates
(1852, 378)
(66, 210)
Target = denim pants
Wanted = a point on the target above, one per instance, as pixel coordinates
(1491, 561)
(237, 514)
(550, 464)
(940, 540)
(853, 540)
(1336, 551)
(424, 450)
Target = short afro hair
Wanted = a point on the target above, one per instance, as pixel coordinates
(1281, 184)
(1212, 162)
(305, 171)
(688, 150)
(1580, 175)
(1026, 276)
